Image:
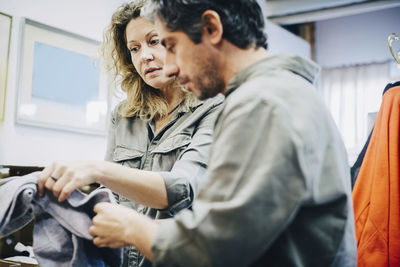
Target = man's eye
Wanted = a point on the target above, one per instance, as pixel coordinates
(170, 48)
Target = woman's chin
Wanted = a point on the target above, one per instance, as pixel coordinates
(162, 84)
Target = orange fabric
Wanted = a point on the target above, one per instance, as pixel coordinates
(376, 194)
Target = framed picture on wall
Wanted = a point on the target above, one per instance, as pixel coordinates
(5, 37)
(61, 82)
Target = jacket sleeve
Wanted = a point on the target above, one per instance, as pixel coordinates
(111, 136)
(254, 186)
(185, 176)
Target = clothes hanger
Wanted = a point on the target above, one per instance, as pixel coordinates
(392, 38)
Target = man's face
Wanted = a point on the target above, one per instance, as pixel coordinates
(193, 64)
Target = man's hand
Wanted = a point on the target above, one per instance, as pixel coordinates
(119, 226)
(112, 225)
(64, 177)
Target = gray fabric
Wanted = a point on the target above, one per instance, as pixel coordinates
(277, 191)
(60, 236)
(179, 152)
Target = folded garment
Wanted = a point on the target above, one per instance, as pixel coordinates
(61, 232)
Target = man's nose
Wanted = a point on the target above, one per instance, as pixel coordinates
(171, 69)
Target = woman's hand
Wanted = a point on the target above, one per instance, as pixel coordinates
(64, 177)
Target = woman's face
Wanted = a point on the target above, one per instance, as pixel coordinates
(147, 53)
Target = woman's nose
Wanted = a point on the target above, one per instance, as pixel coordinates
(147, 55)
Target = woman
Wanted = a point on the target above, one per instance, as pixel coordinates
(159, 138)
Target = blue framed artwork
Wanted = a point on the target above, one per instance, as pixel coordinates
(62, 84)
(5, 34)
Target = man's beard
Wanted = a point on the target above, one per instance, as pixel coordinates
(209, 82)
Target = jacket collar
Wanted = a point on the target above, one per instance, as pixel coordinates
(298, 65)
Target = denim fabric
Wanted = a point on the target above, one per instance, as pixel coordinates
(60, 236)
(16, 195)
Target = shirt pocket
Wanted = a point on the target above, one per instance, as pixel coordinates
(168, 152)
(173, 143)
(130, 157)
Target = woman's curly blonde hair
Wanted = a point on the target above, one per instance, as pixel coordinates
(142, 100)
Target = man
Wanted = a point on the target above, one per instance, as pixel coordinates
(277, 191)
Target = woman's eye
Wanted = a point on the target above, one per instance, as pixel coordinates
(134, 49)
(154, 41)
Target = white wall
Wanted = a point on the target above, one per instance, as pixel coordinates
(285, 7)
(281, 41)
(359, 39)
(25, 145)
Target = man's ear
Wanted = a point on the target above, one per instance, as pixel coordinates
(213, 28)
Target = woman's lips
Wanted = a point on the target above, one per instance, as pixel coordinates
(151, 70)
